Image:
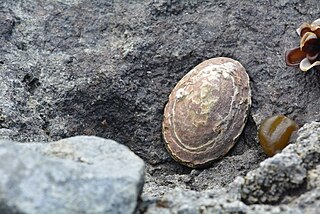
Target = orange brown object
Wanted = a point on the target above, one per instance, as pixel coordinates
(275, 132)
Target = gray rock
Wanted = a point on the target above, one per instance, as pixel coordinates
(210, 201)
(273, 178)
(189, 201)
(285, 172)
(307, 146)
(74, 175)
(289, 181)
(106, 68)
(313, 178)
(308, 202)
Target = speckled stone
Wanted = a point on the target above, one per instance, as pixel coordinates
(74, 175)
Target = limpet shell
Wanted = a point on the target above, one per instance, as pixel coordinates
(206, 112)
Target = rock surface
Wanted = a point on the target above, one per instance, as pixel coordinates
(283, 174)
(288, 181)
(74, 175)
(106, 68)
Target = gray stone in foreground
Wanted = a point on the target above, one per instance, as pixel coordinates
(74, 175)
(286, 171)
(289, 181)
(210, 201)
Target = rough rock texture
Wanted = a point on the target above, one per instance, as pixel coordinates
(289, 181)
(191, 202)
(74, 175)
(284, 173)
(106, 68)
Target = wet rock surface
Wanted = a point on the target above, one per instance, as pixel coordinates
(106, 68)
(74, 175)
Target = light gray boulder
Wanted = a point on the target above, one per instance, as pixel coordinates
(75, 175)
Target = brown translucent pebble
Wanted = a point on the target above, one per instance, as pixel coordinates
(206, 112)
(275, 132)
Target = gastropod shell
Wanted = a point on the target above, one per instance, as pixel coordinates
(206, 112)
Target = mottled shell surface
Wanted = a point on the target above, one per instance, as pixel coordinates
(206, 112)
